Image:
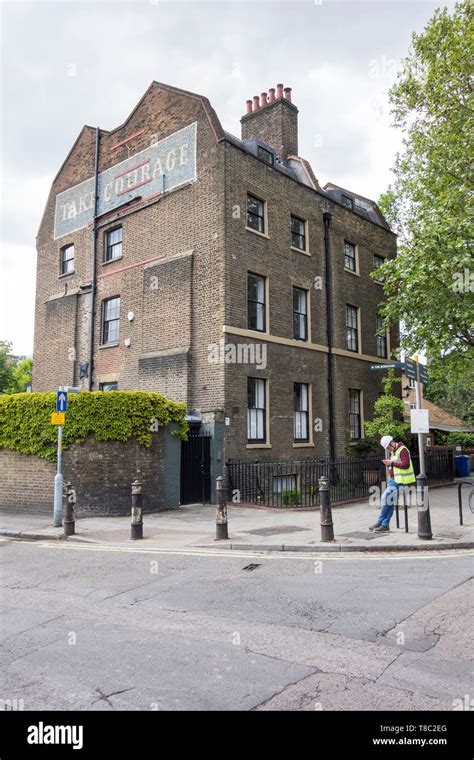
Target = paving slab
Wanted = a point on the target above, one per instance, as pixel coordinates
(264, 529)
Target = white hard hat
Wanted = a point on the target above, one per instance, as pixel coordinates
(385, 441)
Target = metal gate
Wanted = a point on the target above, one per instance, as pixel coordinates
(196, 468)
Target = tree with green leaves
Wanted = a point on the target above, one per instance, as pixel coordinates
(6, 366)
(388, 412)
(447, 390)
(21, 375)
(15, 373)
(430, 285)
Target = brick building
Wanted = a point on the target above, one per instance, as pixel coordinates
(218, 272)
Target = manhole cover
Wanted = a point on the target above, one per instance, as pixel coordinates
(449, 535)
(366, 535)
(274, 531)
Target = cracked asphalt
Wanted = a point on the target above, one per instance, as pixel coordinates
(86, 627)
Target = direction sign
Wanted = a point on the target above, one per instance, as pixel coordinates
(58, 418)
(410, 369)
(61, 401)
(423, 373)
(394, 365)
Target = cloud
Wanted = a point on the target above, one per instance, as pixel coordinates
(66, 64)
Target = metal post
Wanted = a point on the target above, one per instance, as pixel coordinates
(69, 518)
(58, 486)
(424, 518)
(137, 519)
(405, 507)
(421, 443)
(221, 511)
(327, 529)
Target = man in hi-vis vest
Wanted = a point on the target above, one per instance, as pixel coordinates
(401, 473)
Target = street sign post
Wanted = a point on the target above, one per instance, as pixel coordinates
(59, 418)
(424, 517)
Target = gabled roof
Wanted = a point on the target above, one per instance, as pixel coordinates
(208, 109)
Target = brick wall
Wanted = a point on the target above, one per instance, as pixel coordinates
(101, 472)
(272, 256)
(170, 274)
(183, 274)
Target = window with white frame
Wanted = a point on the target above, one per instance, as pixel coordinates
(282, 483)
(355, 419)
(113, 244)
(352, 328)
(256, 302)
(255, 214)
(67, 259)
(381, 337)
(378, 262)
(350, 260)
(110, 320)
(298, 233)
(256, 410)
(301, 412)
(300, 314)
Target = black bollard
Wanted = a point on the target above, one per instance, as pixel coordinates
(69, 518)
(327, 528)
(424, 518)
(137, 520)
(221, 511)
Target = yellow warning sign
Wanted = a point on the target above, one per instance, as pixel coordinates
(58, 418)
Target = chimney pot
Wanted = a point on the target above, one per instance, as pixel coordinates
(279, 90)
(288, 93)
(271, 93)
(263, 99)
(249, 106)
(256, 102)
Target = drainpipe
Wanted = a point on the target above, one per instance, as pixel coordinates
(327, 258)
(94, 256)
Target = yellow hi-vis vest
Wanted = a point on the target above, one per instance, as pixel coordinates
(404, 477)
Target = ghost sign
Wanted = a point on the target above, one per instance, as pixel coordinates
(163, 166)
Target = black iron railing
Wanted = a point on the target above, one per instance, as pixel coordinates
(294, 483)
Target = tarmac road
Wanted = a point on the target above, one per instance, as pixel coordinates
(93, 627)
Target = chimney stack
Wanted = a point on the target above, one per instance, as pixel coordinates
(273, 120)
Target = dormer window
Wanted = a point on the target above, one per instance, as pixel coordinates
(347, 202)
(265, 155)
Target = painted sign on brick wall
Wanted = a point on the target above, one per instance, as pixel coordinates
(164, 165)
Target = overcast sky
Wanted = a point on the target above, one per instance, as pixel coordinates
(69, 63)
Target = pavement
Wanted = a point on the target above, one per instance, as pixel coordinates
(257, 528)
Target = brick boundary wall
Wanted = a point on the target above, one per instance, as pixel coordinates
(101, 472)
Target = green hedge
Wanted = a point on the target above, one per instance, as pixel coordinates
(25, 419)
(460, 439)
